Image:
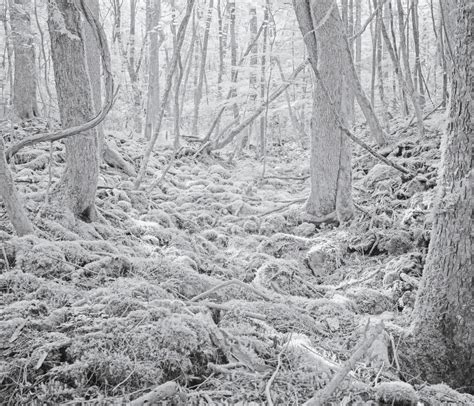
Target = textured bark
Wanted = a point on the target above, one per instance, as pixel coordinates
(132, 69)
(93, 66)
(418, 76)
(233, 53)
(202, 69)
(11, 200)
(153, 94)
(380, 71)
(330, 149)
(24, 85)
(78, 185)
(263, 74)
(358, 41)
(443, 327)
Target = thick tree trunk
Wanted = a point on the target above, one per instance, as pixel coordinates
(330, 148)
(443, 326)
(16, 213)
(24, 85)
(78, 184)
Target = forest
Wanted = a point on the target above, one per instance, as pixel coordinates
(221, 202)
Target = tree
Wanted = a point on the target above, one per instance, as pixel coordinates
(78, 185)
(166, 92)
(443, 326)
(24, 86)
(153, 94)
(202, 69)
(20, 221)
(330, 149)
(92, 49)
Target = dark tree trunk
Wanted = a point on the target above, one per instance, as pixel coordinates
(24, 85)
(443, 326)
(78, 184)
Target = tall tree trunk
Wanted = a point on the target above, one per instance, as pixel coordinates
(402, 82)
(380, 72)
(253, 28)
(233, 53)
(132, 69)
(330, 149)
(444, 67)
(153, 93)
(166, 92)
(78, 184)
(416, 40)
(202, 69)
(443, 326)
(375, 41)
(263, 74)
(93, 65)
(358, 41)
(16, 213)
(24, 85)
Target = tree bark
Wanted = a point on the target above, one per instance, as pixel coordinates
(153, 94)
(330, 150)
(202, 69)
(78, 185)
(92, 50)
(233, 54)
(24, 85)
(16, 213)
(263, 74)
(443, 326)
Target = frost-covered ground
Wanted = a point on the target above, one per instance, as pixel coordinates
(103, 313)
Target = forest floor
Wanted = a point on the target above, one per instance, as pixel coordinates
(102, 313)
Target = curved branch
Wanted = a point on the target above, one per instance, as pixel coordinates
(109, 92)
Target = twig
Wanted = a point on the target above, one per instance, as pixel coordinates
(395, 355)
(282, 207)
(367, 22)
(272, 378)
(230, 309)
(161, 392)
(228, 283)
(355, 282)
(109, 94)
(322, 397)
(7, 264)
(288, 177)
